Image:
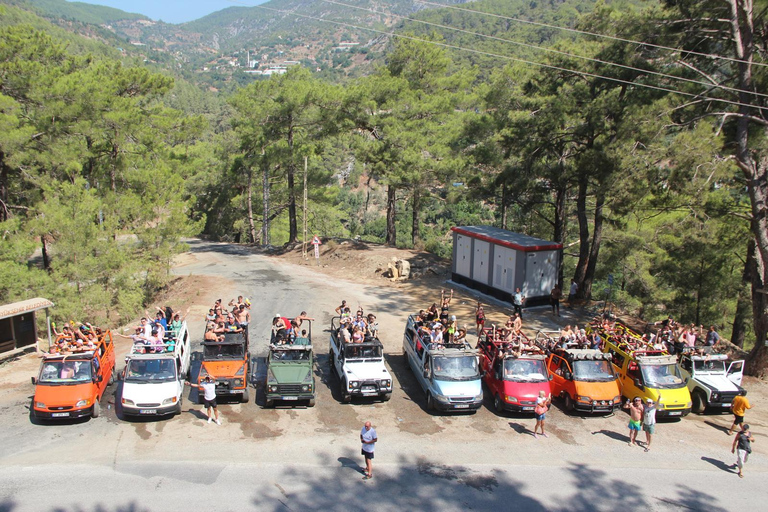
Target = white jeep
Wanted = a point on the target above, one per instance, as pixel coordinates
(712, 380)
(360, 367)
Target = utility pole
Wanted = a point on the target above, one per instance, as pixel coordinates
(304, 243)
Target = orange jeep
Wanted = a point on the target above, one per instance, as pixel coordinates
(584, 379)
(71, 385)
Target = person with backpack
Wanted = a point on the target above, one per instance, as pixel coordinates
(742, 447)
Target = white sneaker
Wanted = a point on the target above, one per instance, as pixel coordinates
(210, 420)
(218, 422)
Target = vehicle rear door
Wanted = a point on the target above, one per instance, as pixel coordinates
(736, 372)
(554, 367)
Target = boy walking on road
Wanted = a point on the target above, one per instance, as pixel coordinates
(368, 438)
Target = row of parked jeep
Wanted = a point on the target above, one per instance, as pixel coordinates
(451, 375)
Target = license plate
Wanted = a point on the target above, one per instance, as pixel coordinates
(527, 408)
(675, 413)
(290, 398)
(725, 405)
(59, 415)
(147, 411)
(461, 406)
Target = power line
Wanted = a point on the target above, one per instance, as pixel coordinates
(707, 85)
(506, 57)
(594, 34)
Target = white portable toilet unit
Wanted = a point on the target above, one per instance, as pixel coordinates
(496, 262)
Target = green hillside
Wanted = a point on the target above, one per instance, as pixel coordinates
(78, 11)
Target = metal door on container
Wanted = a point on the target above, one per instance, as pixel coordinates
(540, 272)
(504, 268)
(481, 261)
(463, 255)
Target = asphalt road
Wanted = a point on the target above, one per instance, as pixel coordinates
(309, 459)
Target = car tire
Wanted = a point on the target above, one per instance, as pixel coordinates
(269, 403)
(311, 402)
(569, 404)
(177, 412)
(699, 402)
(96, 411)
(498, 404)
(430, 402)
(330, 362)
(245, 397)
(345, 396)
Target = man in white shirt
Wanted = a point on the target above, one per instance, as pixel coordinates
(368, 438)
(208, 388)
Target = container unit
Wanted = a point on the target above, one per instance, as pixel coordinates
(496, 262)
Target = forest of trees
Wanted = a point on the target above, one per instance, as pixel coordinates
(644, 153)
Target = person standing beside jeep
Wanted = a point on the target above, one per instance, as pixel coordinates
(208, 387)
(368, 438)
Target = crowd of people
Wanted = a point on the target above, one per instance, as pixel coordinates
(220, 321)
(357, 328)
(158, 334)
(286, 331)
(75, 337)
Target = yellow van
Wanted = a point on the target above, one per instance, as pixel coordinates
(650, 374)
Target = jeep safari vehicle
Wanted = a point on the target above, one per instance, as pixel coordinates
(448, 373)
(514, 378)
(584, 379)
(712, 380)
(227, 363)
(71, 385)
(290, 376)
(153, 382)
(646, 372)
(359, 366)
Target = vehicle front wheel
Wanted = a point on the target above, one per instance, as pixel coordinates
(178, 408)
(311, 402)
(699, 402)
(269, 403)
(330, 362)
(569, 405)
(244, 399)
(498, 404)
(96, 409)
(430, 402)
(345, 396)
(385, 397)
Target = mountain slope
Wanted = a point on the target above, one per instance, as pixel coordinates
(78, 11)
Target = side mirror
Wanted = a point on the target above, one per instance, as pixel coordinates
(638, 384)
(483, 373)
(34, 381)
(568, 375)
(550, 376)
(99, 378)
(426, 373)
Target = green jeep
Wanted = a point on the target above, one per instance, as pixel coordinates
(289, 370)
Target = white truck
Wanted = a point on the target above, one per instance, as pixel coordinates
(712, 380)
(360, 367)
(153, 379)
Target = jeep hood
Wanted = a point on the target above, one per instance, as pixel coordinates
(285, 374)
(56, 396)
(150, 392)
(366, 371)
(717, 382)
(459, 388)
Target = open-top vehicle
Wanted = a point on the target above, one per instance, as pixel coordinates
(227, 363)
(289, 370)
(153, 382)
(71, 385)
(713, 380)
(447, 372)
(514, 378)
(359, 366)
(584, 379)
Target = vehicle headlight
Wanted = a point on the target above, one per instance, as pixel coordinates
(241, 371)
(273, 389)
(386, 383)
(305, 388)
(440, 398)
(238, 382)
(127, 401)
(169, 401)
(715, 396)
(354, 384)
(689, 404)
(480, 397)
(617, 399)
(512, 399)
(81, 403)
(40, 405)
(583, 398)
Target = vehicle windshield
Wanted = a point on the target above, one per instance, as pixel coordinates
(593, 371)
(151, 370)
(65, 372)
(289, 355)
(223, 351)
(662, 376)
(455, 368)
(525, 370)
(709, 366)
(352, 351)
